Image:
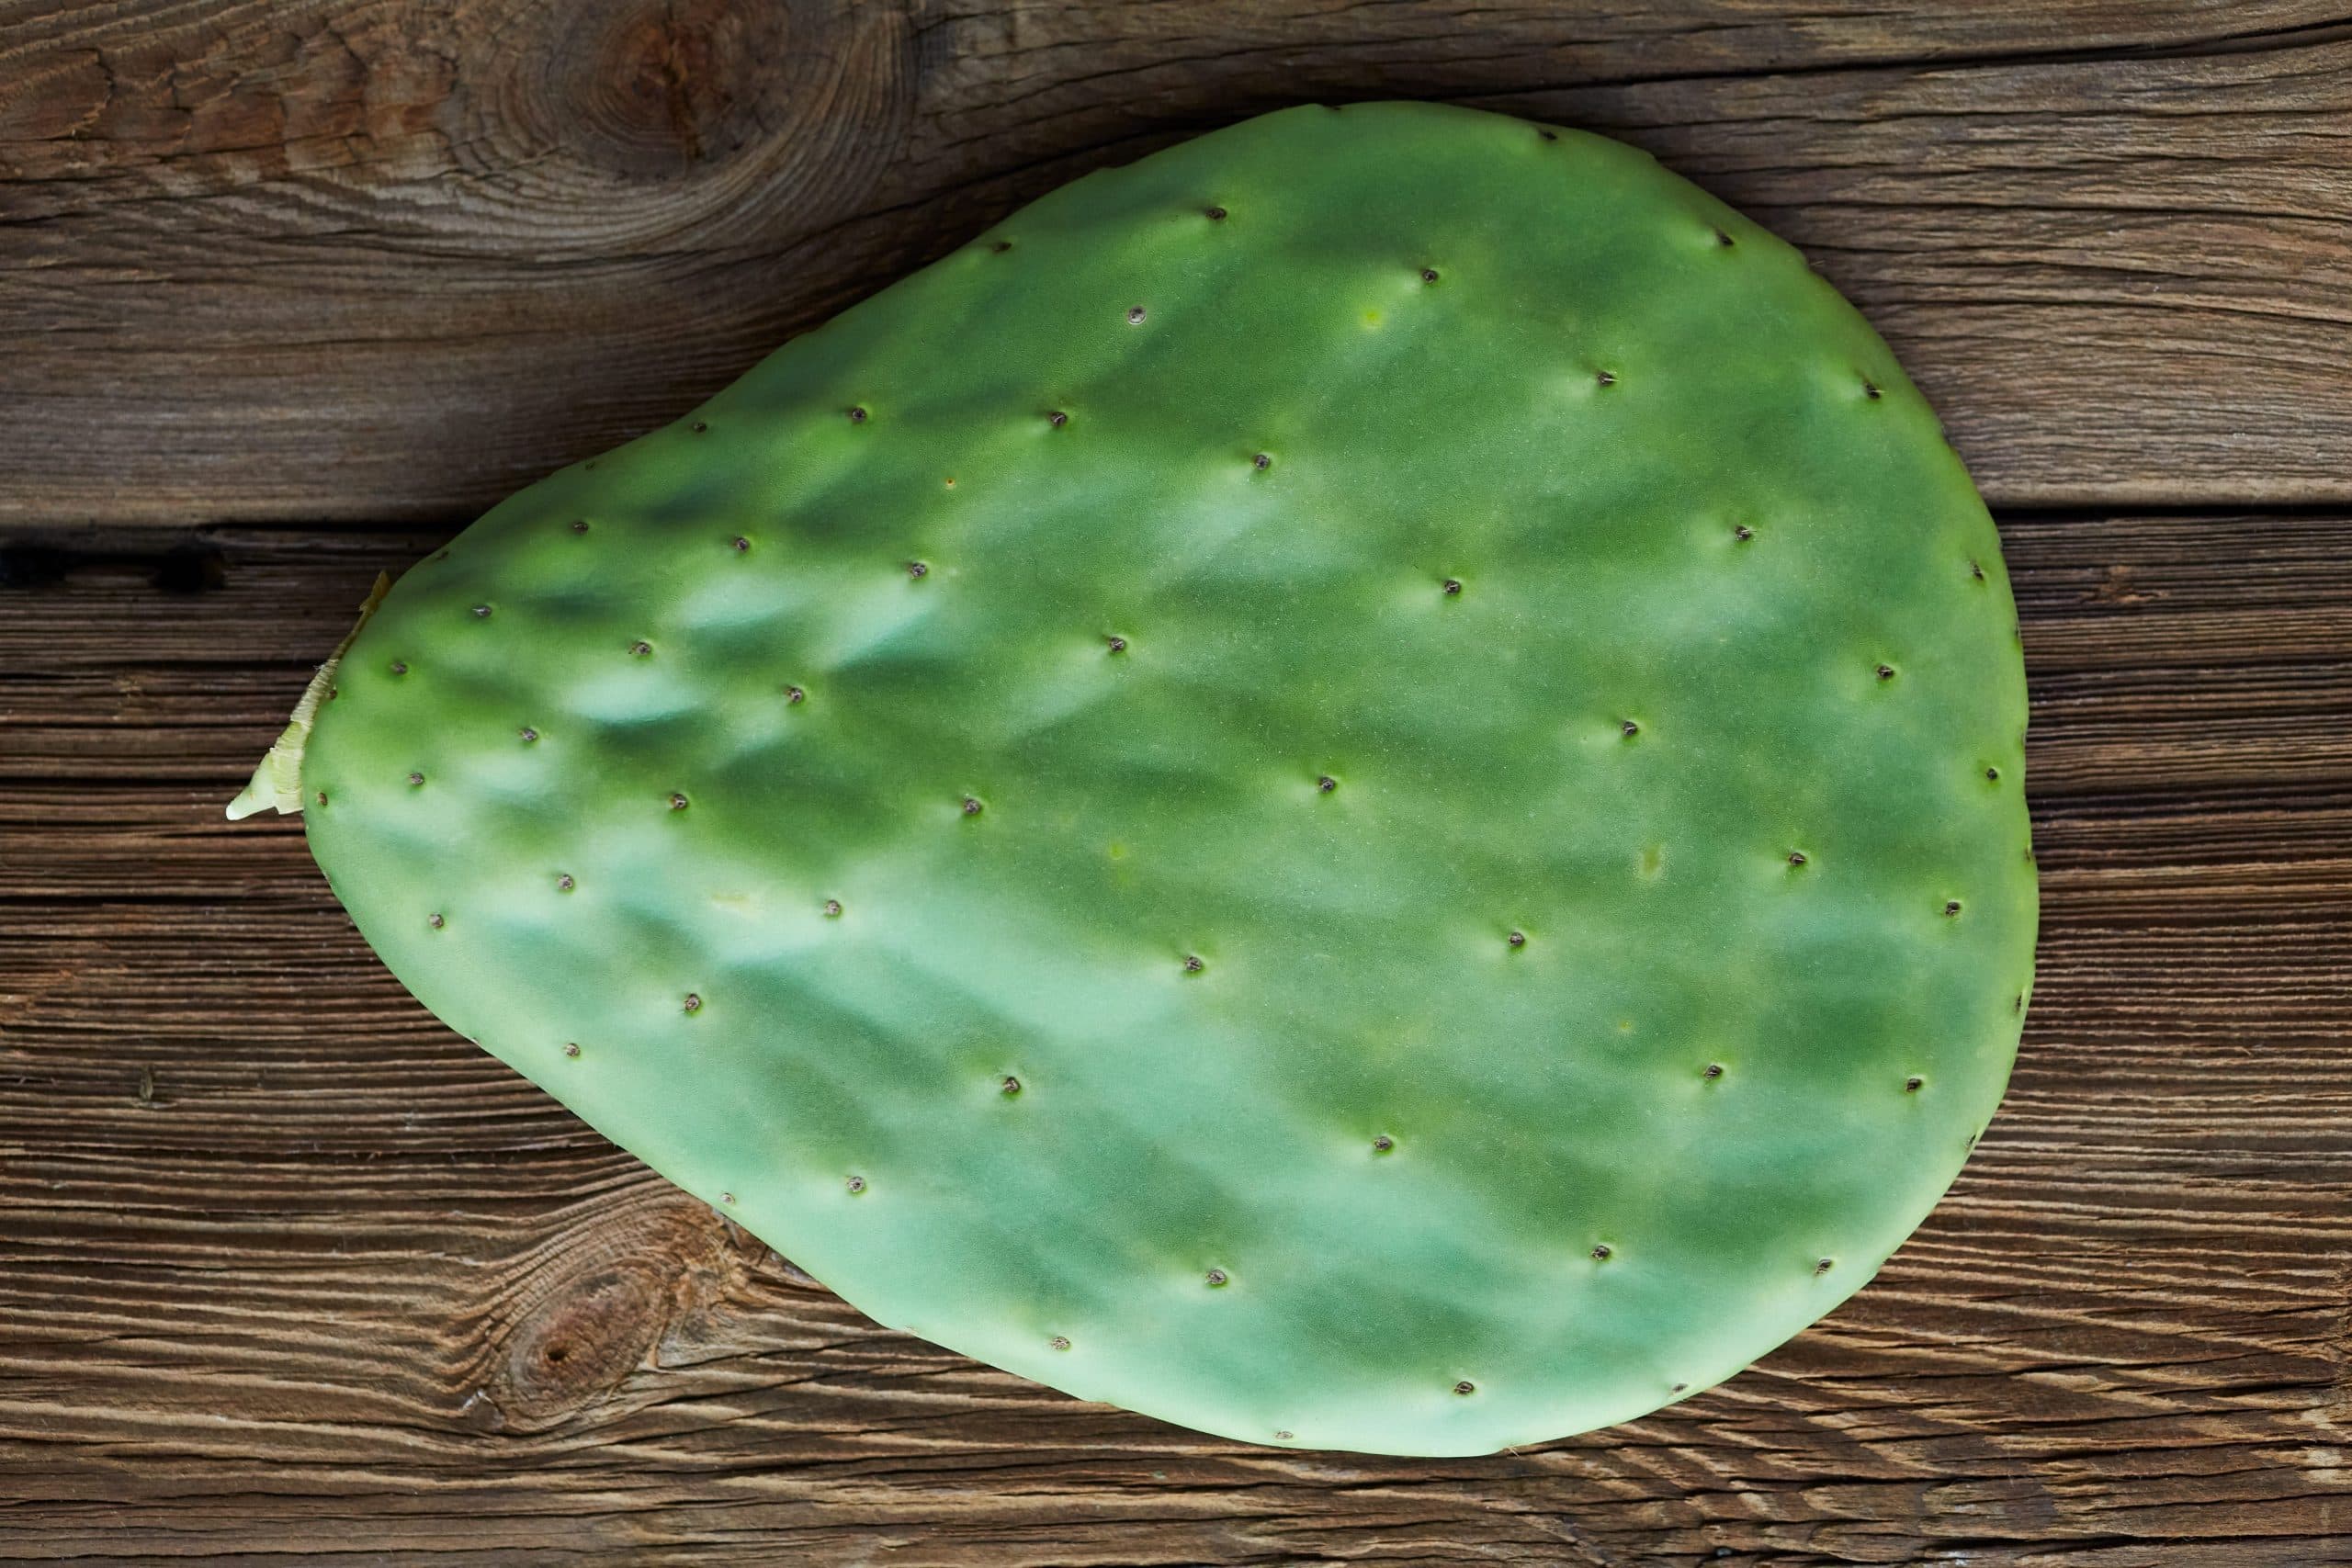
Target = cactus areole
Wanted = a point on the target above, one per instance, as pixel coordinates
(1360, 787)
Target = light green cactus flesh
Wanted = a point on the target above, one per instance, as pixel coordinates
(1360, 787)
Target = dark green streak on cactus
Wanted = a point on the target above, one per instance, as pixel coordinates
(1485, 678)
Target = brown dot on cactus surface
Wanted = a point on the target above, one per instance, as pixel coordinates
(1428, 275)
(528, 734)
(571, 1047)
(434, 920)
(640, 648)
(727, 1198)
(1115, 643)
(400, 666)
(1869, 390)
(1282, 1436)
(1886, 671)
(1743, 533)
(1465, 1387)
(856, 1184)
(741, 544)
(481, 612)
(1630, 728)
(1714, 1070)
(1009, 1087)
(1517, 939)
(918, 568)
(1059, 1342)
(580, 525)
(1451, 586)
(1192, 966)
(677, 801)
(417, 778)
(1001, 246)
(323, 797)
(1976, 572)
(1383, 1144)
(1824, 1265)
(1549, 135)
(1327, 784)
(971, 805)
(1911, 1085)
(694, 1001)
(2019, 1006)
(1058, 419)
(1601, 1252)
(1992, 775)
(564, 881)
(1607, 377)
(1217, 1276)
(794, 694)
(832, 908)
(857, 415)
(1952, 905)
(1135, 316)
(1796, 857)
(1722, 239)
(1262, 460)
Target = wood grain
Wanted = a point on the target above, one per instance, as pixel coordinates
(290, 1272)
(293, 260)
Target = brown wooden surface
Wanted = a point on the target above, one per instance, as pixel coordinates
(289, 1273)
(372, 259)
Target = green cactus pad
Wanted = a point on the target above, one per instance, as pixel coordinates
(1360, 787)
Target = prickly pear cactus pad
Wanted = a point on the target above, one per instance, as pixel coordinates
(1360, 787)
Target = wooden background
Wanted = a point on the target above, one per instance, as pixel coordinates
(290, 288)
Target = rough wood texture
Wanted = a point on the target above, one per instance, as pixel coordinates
(369, 259)
(287, 1273)
(288, 1269)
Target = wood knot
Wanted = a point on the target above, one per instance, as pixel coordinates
(573, 1318)
(640, 91)
(578, 1336)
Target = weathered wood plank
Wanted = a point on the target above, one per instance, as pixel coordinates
(360, 259)
(286, 1269)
